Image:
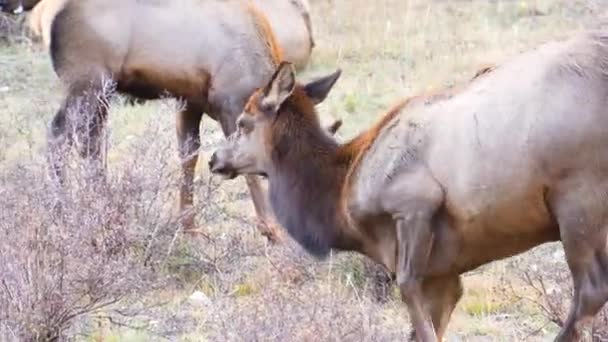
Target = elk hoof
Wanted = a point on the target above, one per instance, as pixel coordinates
(270, 231)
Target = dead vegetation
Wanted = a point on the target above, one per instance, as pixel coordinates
(544, 283)
(74, 250)
(13, 29)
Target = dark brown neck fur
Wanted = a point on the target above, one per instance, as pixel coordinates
(306, 180)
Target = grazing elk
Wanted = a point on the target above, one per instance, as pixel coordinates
(212, 54)
(445, 183)
(289, 20)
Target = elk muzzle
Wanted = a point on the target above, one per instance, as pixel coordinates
(218, 165)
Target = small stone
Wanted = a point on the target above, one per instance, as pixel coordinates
(199, 298)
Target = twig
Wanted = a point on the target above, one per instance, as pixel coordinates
(536, 331)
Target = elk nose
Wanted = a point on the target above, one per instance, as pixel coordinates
(213, 161)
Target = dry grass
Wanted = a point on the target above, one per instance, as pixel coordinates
(246, 289)
(12, 29)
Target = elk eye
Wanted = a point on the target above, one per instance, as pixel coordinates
(244, 125)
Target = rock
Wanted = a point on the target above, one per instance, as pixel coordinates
(199, 298)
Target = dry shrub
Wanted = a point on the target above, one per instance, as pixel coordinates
(547, 284)
(284, 294)
(304, 299)
(310, 314)
(71, 251)
(379, 281)
(13, 29)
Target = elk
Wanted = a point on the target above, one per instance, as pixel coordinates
(210, 54)
(447, 182)
(289, 20)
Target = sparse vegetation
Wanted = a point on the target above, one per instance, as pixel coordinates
(113, 262)
(546, 287)
(76, 250)
(12, 29)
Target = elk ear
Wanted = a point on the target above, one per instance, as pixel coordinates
(318, 89)
(280, 87)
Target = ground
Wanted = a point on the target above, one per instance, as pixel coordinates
(246, 289)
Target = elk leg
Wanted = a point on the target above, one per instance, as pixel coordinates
(266, 226)
(413, 198)
(189, 143)
(83, 112)
(442, 294)
(415, 241)
(590, 282)
(89, 127)
(59, 141)
(584, 234)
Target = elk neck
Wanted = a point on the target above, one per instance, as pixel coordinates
(305, 185)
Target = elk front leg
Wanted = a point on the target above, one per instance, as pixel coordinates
(442, 294)
(266, 224)
(413, 198)
(415, 242)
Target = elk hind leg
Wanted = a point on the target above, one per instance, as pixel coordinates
(59, 141)
(87, 114)
(584, 234)
(80, 120)
(189, 142)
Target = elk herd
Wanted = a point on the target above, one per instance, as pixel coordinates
(443, 183)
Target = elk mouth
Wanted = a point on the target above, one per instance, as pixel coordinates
(263, 175)
(225, 172)
(228, 173)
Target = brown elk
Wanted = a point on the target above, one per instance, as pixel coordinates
(445, 183)
(212, 54)
(289, 20)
